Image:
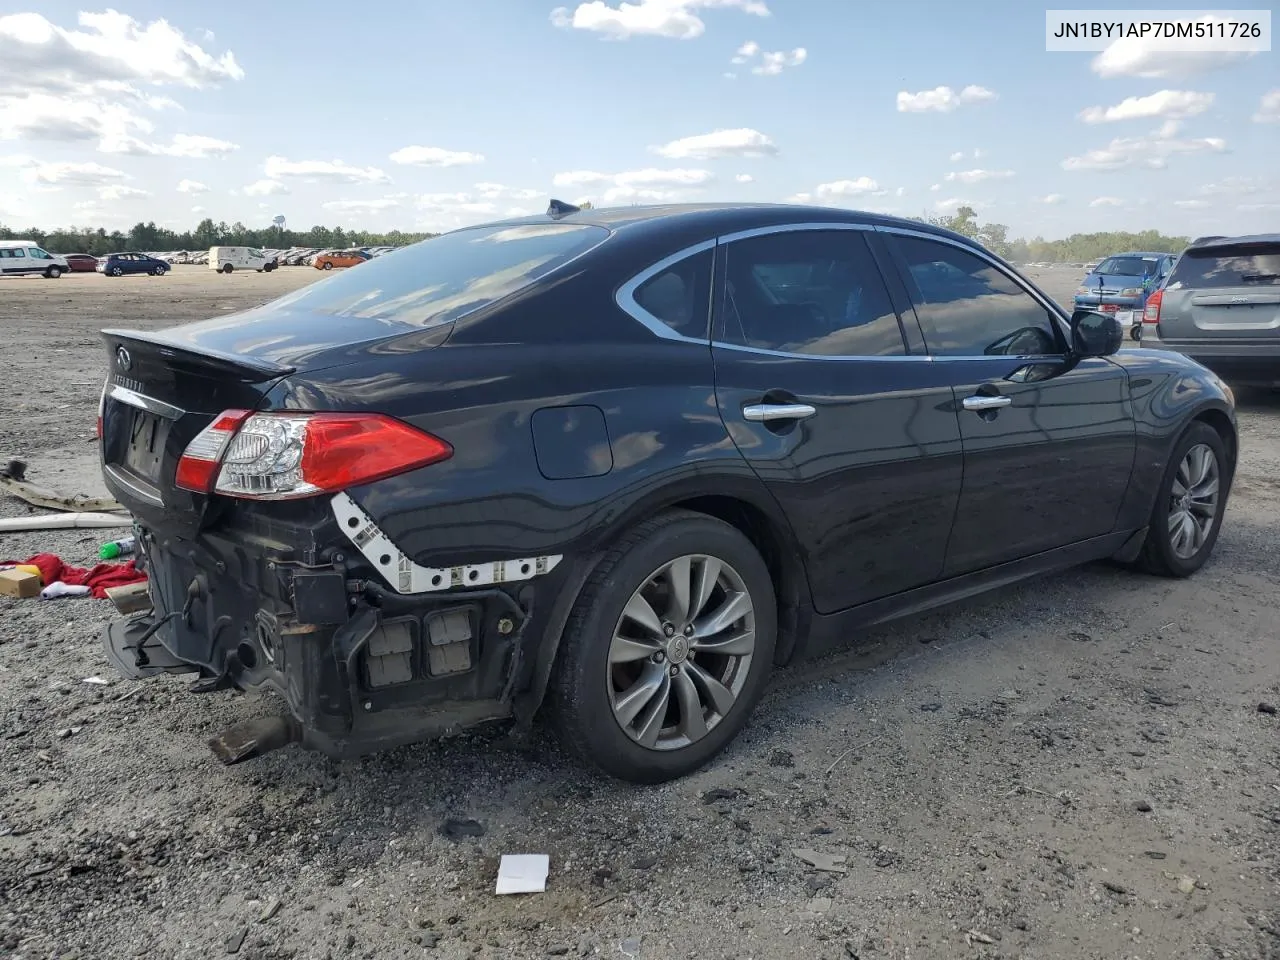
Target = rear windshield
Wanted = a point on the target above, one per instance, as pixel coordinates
(1227, 267)
(1126, 267)
(441, 279)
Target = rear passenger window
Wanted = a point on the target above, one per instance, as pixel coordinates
(815, 292)
(19, 253)
(680, 296)
(971, 309)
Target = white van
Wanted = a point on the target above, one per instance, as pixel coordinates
(230, 259)
(18, 257)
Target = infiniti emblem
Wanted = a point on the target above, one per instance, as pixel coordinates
(123, 360)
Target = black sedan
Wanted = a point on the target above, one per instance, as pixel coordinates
(623, 463)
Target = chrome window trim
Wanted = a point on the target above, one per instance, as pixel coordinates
(626, 295)
(143, 402)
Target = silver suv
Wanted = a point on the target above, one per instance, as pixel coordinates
(1221, 307)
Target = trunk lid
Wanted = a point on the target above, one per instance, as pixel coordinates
(1225, 291)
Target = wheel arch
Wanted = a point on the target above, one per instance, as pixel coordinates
(762, 525)
(1225, 428)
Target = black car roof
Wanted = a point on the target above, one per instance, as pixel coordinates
(1257, 238)
(721, 218)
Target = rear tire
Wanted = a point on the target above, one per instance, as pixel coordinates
(1190, 502)
(227, 268)
(651, 703)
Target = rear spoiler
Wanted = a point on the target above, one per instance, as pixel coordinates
(247, 369)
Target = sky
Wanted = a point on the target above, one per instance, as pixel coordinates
(432, 115)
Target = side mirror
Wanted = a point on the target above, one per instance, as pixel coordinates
(1095, 334)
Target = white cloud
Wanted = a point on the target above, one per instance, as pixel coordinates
(392, 202)
(110, 47)
(729, 75)
(265, 188)
(117, 191)
(1171, 104)
(1258, 206)
(951, 205)
(744, 178)
(322, 171)
(977, 176)
(83, 174)
(197, 209)
(1191, 204)
(900, 192)
(741, 142)
(676, 19)
(1137, 57)
(1235, 186)
(1269, 108)
(192, 186)
(1106, 202)
(846, 188)
(934, 188)
(633, 186)
(1151, 151)
(435, 157)
(942, 99)
(771, 63)
(957, 156)
(1051, 199)
(183, 145)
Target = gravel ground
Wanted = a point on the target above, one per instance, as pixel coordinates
(1084, 766)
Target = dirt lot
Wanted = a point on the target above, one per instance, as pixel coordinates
(1078, 767)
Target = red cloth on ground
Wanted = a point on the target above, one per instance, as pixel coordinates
(97, 578)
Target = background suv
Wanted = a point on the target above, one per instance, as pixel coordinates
(1221, 306)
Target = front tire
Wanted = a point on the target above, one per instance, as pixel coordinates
(667, 649)
(328, 266)
(53, 273)
(117, 272)
(158, 271)
(1189, 505)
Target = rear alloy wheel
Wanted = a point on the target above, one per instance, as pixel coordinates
(668, 649)
(53, 273)
(1189, 505)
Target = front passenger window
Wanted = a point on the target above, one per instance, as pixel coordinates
(969, 308)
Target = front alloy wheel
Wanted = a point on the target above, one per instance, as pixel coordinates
(675, 674)
(1190, 504)
(667, 650)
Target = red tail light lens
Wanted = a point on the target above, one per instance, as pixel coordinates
(1151, 314)
(198, 468)
(275, 456)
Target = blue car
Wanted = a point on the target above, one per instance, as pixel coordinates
(1121, 283)
(118, 264)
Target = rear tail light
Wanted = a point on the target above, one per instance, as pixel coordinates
(1151, 313)
(102, 406)
(275, 456)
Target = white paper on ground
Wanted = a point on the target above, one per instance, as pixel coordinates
(523, 873)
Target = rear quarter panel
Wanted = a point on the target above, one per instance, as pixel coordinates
(664, 439)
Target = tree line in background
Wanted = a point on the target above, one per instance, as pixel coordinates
(1079, 247)
(149, 237)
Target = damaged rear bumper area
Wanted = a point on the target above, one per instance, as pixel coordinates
(360, 666)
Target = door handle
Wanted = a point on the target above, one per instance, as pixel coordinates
(980, 403)
(764, 412)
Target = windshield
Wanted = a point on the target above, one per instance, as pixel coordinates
(441, 279)
(1225, 267)
(1126, 267)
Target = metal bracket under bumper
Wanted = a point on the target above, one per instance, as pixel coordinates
(405, 576)
(120, 641)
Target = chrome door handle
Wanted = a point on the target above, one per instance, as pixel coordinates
(763, 412)
(986, 403)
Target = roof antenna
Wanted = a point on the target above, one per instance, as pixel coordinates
(558, 209)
